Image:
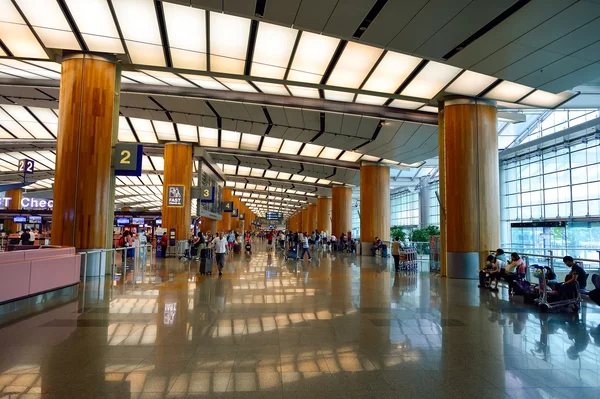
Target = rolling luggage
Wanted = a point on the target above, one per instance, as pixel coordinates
(292, 253)
(384, 251)
(206, 262)
(237, 248)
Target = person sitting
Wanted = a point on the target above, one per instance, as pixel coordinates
(576, 279)
(550, 275)
(500, 255)
(493, 268)
(376, 245)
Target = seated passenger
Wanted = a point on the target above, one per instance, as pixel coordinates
(493, 268)
(500, 255)
(568, 289)
(376, 245)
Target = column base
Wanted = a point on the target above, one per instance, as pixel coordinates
(463, 265)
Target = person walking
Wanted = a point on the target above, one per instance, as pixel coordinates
(220, 248)
(305, 249)
(396, 246)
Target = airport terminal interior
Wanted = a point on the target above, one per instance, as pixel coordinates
(165, 165)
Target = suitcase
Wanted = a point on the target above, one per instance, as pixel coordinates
(384, 251)
(237, 248)
(206, 262)
(292, 253)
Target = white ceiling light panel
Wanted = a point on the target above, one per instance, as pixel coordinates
(50, 24)
(470, 83)
(406, 104)
(47, 117)
(228, 43)
(311, 150)
(139, 25)
(209, 137)
(272, 51)
(432, 78)
(391, 72)
(187, 133)
(370, 100)
(543, 99)
(271, 174)
(169, 78)
(312, 57)
(508, 91)
(354, 65)
(16, 35)
(11, 125)
(125, 133)
(272, 88)
(250, 142)
(229, 139)
(429, 108)
(350, 156)
(95, 22)
(142, 78)
(206, 82)
(290, 147)
(271, 144)
(330, 153)
(144, 130)
(165, 130)
(186, 29)
(307, 92)
(237, 84)
(368, 158)
(339, 96)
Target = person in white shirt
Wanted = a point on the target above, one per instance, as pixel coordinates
(304, 242)
(220, 248)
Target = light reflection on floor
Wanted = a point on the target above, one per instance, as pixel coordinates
(338, 326)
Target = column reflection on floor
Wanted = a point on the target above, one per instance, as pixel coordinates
(340, 325)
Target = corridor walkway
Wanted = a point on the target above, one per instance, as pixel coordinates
(338, 327)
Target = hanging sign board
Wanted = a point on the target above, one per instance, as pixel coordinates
(207, 195)
(128, 159)
(175, 196)
(26, 166)
(243, 216)
(235, 213)
(227, 206)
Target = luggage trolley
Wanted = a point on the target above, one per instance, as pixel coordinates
(182, 250)
(408, 259)
(545, 303)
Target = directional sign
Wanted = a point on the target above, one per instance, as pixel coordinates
(26, 166)
(175, 196)
(128, 159)
(235, 213)
(227, 206)
(243, 216)
(207, 195)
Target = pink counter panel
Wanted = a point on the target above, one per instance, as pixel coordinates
(27, 273)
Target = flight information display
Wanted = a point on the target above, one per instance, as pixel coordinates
(273, 215)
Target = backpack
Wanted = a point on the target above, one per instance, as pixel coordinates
(121, 242)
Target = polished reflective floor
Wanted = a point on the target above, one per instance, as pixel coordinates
(340, 326)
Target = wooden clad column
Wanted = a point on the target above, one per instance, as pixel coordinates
(208, 224)
(324, 215)
(471, 184)
(178, 171)
(312, 218)
(235, 222)
(304, 225)
(374, 204)
(15, 203)
(442, 192)
(84, 181)
(341, 210)
(226, 221)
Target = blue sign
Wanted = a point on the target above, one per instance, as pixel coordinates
(207, 196)
(128, 159)
(228, 206)
(26, 166)
(235, 213)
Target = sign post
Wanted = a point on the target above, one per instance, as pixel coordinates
(175, 195)
(128, 159)
(228, 206)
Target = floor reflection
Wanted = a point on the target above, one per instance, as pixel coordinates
(337, 325)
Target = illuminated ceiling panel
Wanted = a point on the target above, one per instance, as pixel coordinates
(228, 43)
(312, 57)
(470, 84)
(508, 91)
(50, 24)
(95, 22)
(16, 35)
(355, 63)
(391, 72)
(272, 51)
(186, 29)
(432, 78)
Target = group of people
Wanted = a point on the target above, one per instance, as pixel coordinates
(498, 268)
(130, 240)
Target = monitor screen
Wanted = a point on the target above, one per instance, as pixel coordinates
(159, 221)
(273, 216)
(122, 221)
(20, 219)
(137, 221)
(35, 219)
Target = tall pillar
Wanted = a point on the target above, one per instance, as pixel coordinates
(226, 221)
(424, 203)
(208, 224)
(84, 181)
(235, 221)
(304, 225)
(470, 182)
(374, 204)
(324, 214)
(341, 210)
(178, 171)
(15, 203)
(312, 218)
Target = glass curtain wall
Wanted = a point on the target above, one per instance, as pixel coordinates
(405, 209)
